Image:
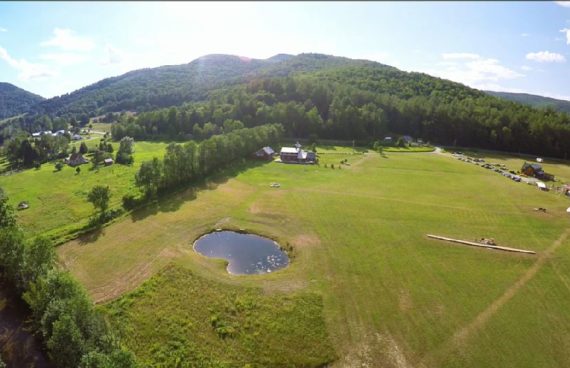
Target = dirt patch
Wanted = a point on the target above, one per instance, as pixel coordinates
(405, 301)
(379, 350)
(306, 240)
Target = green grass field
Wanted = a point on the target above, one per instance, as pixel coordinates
(58, 200)
(390, 296)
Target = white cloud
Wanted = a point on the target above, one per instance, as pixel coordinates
(473, 70)
(65, 39)
(545, 57)
(460, 56)
(26, 69)
(2, 29)
(567, 32)
(565, 4)
(113, 56)
(525, 34)
(64, 58)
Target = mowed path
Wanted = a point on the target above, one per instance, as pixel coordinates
(462, 336)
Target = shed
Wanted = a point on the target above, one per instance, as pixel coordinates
(265, 153)
(531, 169)
(108, 161)
(407, 138)
(23, 205)
(76, 159)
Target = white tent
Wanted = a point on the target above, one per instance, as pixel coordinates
(538, 159)
(541, 185)
(568, 210)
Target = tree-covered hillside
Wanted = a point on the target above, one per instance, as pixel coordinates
(364, 101)
(534, 100)
(310, 95)
(15, 101)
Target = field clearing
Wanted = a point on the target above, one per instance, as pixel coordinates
(58, 200)
(390, 295)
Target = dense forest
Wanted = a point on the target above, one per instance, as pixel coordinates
(15, 101)
(363, 103)
(534, 100)
(310, 95)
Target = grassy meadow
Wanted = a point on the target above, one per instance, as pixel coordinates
(390, 296)
(58, 199)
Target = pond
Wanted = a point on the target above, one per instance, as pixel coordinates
(247, 254)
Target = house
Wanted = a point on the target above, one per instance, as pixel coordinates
(387, 140)
(108, 161)
(288, 154)
(408, 139)
(297, 155)
(59, 133)
(266, 153)
(530, 169)
(36, 135)
(76, 159)
(76, 137)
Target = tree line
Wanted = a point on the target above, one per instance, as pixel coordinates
(73, 332)
(184, 163)
(360, 104)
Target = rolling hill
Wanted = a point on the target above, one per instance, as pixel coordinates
(534, 100)
(15, 101)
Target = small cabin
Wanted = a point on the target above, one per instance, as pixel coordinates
(531, 169)
(266, 153)
(76, 159)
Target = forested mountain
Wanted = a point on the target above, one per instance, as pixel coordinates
(338, 98)
(310, 95)
(534, 100)
(146, 89)
(15, 101)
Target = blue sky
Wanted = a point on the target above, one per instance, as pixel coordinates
(52, 48)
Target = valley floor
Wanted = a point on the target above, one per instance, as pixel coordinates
(365, 285)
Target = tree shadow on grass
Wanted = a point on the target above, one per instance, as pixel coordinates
(172, 200)
(91, 236)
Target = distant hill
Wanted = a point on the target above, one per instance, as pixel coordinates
(148, 89)
(534, 100)
(15, 101)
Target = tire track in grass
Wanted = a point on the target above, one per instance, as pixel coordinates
(462, 335)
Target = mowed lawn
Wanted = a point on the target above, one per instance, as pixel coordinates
(390, 296)
(58, 200)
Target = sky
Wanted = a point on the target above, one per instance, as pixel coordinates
(53, 48)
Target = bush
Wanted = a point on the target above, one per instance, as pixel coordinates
(59, 166)
(130, 201)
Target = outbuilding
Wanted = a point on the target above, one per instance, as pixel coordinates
(266, 153)
(108, 161)
(76, 159)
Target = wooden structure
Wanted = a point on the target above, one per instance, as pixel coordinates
(297, 155)
(76, 159)
(266, 153)
(482, 245)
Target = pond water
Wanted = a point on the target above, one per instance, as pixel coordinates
(247, 254)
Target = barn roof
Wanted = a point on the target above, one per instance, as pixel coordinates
(289, 150)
